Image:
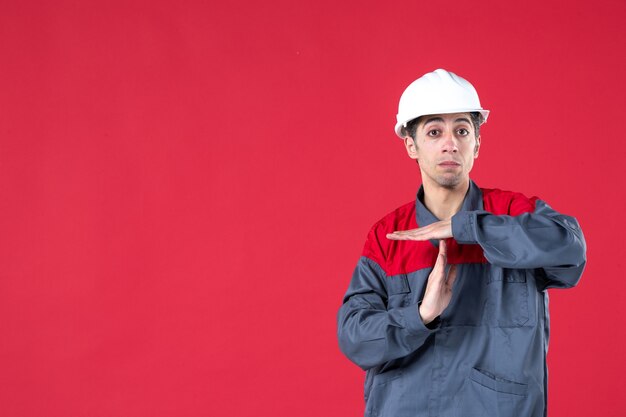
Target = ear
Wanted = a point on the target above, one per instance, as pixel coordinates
(477, 147)
(411, 147)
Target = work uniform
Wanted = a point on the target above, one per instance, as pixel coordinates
(486, 354)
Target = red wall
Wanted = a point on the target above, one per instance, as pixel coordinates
(186, 187)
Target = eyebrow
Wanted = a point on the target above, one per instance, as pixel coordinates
(433, 119)
(439, 119)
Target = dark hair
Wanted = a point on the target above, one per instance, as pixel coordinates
(411, 126)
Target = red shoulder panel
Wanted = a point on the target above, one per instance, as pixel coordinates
(507, 202)
(377, 247)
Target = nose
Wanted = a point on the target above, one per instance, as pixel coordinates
(449, 143)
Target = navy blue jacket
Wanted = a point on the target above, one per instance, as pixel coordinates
(486, 354)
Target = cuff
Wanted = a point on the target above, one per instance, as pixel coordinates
(464, 227)
(413, 322)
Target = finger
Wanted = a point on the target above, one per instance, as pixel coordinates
(443, 249)
(440, 263)
(420, 234)
(452, 274)
(404, 232)
(403, 236)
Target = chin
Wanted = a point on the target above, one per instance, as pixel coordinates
(449, 182)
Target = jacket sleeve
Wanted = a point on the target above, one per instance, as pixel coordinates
(543, 239)
(369, 334)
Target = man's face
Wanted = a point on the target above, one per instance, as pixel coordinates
(445, 147)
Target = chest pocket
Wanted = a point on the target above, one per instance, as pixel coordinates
(398, 291)
(507, 303)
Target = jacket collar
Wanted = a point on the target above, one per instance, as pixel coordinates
(473, 201)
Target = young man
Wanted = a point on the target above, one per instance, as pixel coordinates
(447, 310)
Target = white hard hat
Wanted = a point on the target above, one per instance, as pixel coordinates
(438, 92)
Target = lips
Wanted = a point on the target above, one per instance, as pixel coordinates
(449, 164)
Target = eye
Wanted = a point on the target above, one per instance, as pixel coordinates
(463, 132)
(433, 133)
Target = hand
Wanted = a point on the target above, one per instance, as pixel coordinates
(438, 230)
(439, 287)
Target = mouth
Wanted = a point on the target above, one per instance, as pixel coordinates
(449, 164)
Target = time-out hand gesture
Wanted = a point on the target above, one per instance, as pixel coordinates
(439, 287)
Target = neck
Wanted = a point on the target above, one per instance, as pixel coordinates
(444, 202)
